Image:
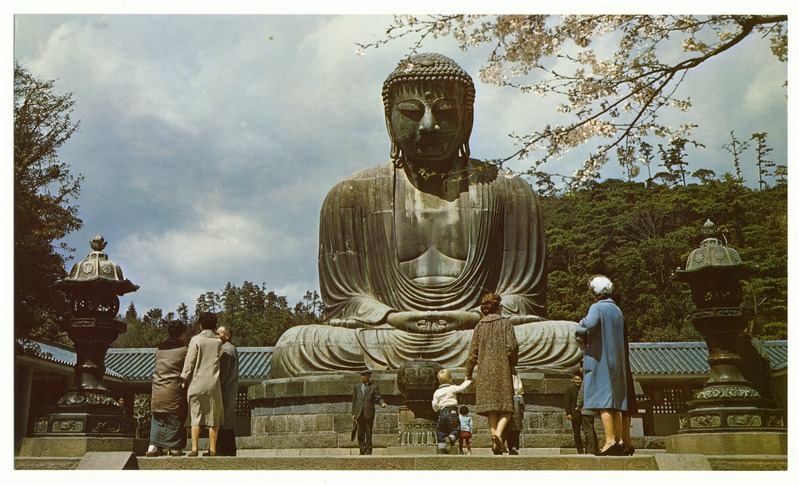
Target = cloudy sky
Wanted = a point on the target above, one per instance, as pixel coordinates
(209, 141)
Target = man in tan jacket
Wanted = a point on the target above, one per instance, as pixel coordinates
(201, 372)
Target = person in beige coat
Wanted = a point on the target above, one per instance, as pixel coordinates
(201, 373)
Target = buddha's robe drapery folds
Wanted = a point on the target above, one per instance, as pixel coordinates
(359, 272)
(362, 280)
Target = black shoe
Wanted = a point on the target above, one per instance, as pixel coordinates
(628, 451)
(513, 451)
(610, 451)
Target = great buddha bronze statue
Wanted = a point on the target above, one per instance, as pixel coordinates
(408, 247)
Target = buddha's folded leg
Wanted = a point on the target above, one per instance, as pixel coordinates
(308, 349)
(549, 343)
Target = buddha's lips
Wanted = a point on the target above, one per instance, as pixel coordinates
(437, 145)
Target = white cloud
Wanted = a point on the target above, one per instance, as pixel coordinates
(215, 248)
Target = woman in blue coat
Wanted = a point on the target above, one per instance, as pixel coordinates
(604, 363)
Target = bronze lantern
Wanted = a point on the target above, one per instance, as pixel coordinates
(92, 289)
(729, 400)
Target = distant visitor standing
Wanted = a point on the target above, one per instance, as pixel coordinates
(494, 350)
(168, 403)
(229, 380)
(201, 372)
(364, 397)
(605, 363)
(573, 410)
(587, 417)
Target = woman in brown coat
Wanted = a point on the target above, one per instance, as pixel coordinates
(494, 351)
(168, 404)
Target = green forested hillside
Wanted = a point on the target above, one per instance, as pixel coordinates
(639, 234)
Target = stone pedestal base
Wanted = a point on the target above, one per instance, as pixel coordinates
(731, 443)
(315, 412)
(78, 446)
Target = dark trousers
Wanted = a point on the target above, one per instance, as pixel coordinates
(226, 442)
(576, 426)
(591, 446)
(513, 440)
(365, 434)
(448, 424)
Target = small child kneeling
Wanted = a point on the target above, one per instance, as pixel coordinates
(445, 402)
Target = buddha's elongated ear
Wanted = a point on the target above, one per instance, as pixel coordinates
(468, 120)
(396, 152)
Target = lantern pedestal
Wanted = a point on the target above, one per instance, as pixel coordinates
(88, 408)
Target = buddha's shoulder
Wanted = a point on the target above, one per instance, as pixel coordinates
(366, 176)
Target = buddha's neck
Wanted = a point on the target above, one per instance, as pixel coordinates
(438, 178)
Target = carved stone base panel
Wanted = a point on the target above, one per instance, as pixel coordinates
(706, 420)
(84, 424)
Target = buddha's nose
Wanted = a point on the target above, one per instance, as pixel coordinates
(429, 122)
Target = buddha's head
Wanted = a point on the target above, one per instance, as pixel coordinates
(429, 108)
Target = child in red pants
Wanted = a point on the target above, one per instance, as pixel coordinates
(466, 431)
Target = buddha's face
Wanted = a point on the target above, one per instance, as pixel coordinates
(427, 122)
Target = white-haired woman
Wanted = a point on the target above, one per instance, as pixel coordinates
(604, 363)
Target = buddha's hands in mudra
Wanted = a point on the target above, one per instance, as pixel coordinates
(433, 321)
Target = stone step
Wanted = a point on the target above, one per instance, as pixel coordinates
(647, 460)
(39, 463)
(481, 459)
(430, 462)
(406, 450)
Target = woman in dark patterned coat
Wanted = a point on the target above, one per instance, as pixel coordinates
(495, 351)
(168, 405)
